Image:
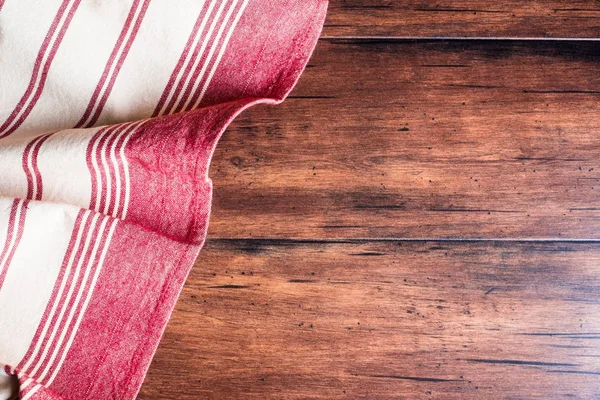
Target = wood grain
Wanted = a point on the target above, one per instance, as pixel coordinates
(420, 139)
(419, 220)
(466, 18)
(362, 319)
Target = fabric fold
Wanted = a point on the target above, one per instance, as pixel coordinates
(109, 115)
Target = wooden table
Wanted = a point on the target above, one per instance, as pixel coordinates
(420, 219)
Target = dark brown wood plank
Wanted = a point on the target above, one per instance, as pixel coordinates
(421, 139)
(468, 18)
(447, 320)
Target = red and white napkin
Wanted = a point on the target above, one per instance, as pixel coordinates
(109, 114)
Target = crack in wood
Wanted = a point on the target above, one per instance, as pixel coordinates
(520, 362)
(409, 378)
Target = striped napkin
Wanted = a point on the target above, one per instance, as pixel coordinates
(109, 114)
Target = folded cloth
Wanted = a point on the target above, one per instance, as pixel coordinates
(109, 114)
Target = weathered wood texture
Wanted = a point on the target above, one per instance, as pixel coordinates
(442, 320)
(470, 18)
(421, 139)
(386, 143)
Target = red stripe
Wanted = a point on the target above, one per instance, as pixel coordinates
(34, 176)
(103, 177)
(116, 137)
(113, 198)
(88, 158)
(106, 135)
(1, 4)
(28, 172)
(76, 284)
(19, 235)
(36, 170)
(9, 235)
(53, 296)
(179, 88)
(194, 96)
(87, 286)
(4, 128)
(37, 64)
(109, 65)
(117, 69)
(70, 278)
(29, 388)
(121, 169)
(184, 54)
(186, 73)
(199, 67)
(105, 201)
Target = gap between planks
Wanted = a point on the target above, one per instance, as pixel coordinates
(276, 240)
(458, 38)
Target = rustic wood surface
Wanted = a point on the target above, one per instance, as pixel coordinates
(387, 319)
(421, 219)
(465, 139)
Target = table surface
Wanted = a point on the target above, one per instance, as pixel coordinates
(420, 219)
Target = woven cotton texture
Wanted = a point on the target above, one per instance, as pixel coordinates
(109, 114)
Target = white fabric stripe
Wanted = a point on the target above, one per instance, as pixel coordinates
(97, 175)
(189, 56)
(107, 175)
(78, 298)
(70, 293)
(213, 48)
(43, 63)
(221, 53)
(127, 134)
(30, 166)
(25, 295)
(116, 59)
(13, 239)
(117, 173)
(5, 232)
(107, 170)
(199, 59)
(31, 392)
(112, 164)
(126, 171)
(86, 301)
(61, 290)
(26, 383)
